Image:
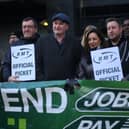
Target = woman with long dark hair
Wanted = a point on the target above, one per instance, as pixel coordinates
(91, 40)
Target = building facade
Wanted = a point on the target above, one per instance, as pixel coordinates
(82, 13)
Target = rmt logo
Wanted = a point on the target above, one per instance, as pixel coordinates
(104, 99)
(105, 57)
(99, 122)
(22, 53)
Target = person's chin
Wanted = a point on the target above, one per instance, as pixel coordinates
(27, 37)
(93, 48)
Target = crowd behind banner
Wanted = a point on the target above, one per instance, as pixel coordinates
(61, 56)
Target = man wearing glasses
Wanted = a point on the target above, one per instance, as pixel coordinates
(30, 36)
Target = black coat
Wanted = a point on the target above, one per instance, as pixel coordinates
(123, 46)
(55, 61)
(85, 70)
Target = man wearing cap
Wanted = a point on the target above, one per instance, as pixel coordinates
(58, 52)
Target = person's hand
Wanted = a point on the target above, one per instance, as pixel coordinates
(70, 85)
(13, 79)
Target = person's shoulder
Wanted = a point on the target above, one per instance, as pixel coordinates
(72, 37)
(74, 40)
(46, 36)
(43, 40)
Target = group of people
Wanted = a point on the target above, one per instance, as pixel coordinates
(93, 39)
(60, 56)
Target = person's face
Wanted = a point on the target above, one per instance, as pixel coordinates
(114, 30)
(126, 27)
(93, 40)
(59, 27)
(28, 29)
(13, 38)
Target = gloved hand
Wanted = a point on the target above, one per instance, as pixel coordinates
(70, 85)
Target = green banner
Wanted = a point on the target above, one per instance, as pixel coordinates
(46, 105)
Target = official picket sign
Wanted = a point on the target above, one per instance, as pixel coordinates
(46, 105)
(23, 62)
(106, 64)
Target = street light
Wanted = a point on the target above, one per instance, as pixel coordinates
(44, 23)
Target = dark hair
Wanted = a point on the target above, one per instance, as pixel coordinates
(86, 30)
(101, 37)
(126, 19)
(113, 19)
(31, 18)
(17, 33)
(12, 33)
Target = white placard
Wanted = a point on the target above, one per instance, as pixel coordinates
(106, 64)
(23, 62)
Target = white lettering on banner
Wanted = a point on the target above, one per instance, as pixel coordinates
(109, 95)
(119, 100)
(7, 100)
(88, 124)
(99, 122)
(21, 103)
(63, 96)
(27, 96)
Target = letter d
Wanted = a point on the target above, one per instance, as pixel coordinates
(60, 108)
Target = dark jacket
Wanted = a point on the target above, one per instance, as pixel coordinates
(58, 62)
(7, 58)
(1, 72)
(123, 46)
(85, 70)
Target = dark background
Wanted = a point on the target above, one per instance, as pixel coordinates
(81, 12)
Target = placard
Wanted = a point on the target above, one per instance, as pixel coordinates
(23, 62)
(106, 64)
